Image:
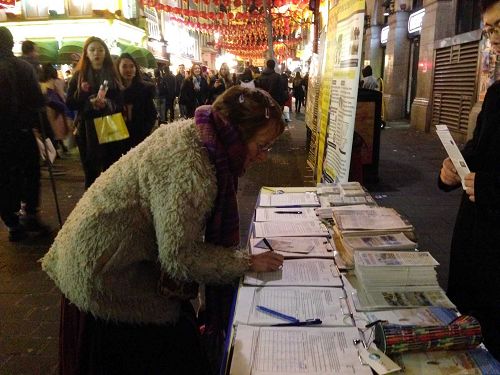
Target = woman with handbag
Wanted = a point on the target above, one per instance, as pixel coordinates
(53, 89)
(138, 98)
(94, 68)
(194, 90)
(158, 222)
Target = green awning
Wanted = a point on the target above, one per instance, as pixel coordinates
(47, 50)
(70, 51)
(141, 55)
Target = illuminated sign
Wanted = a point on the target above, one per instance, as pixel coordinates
(415, 21)
(384, 34)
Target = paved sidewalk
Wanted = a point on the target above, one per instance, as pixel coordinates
(29, 302)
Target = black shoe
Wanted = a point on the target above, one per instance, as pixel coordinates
(17, 234)
(30, 223)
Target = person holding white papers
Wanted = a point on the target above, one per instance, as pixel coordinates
(159, 221)
(474, 279)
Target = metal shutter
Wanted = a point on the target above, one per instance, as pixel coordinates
(454, 86)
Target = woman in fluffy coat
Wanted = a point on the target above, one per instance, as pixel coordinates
(160, 220)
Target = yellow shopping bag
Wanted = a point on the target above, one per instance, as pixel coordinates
(111, 128)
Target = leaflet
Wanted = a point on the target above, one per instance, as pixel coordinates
(423, 316)
(453, 152)
(298, 272)
(294, 350)
(327, 304)
(295, 247)
(394, 259)
(290, 229)
(305, 199)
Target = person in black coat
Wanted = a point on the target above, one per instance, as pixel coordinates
(272, 82)
(138, 99)
(474, 278)
(20, 100)
(194, 90)
(95, 67)
(179, 80)
(220, 82)
(171, 86)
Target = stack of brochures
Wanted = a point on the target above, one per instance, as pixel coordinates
(392, 279)
(379, 270)
(360, 228)
(343, 194)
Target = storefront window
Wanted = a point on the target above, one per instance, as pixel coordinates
(468, 16)
(417, 4)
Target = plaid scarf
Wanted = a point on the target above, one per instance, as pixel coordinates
(227, 152)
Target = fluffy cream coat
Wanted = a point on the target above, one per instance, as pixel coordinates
(148, 210)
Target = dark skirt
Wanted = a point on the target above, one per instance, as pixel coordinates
(89, 345)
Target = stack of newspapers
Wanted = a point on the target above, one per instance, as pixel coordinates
(389, 279)
(361, 228)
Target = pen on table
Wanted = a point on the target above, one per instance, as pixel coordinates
(267, 244)
(288, 212)
(308, 322)
(276, 314)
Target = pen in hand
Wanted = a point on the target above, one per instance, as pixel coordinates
(267, 244)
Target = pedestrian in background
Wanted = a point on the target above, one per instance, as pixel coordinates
(138, 100)
(179, 80)
(246, 79)
(474, 280)
(20, 101)
(369, 81)
(271, 82)
(194, 90)
(95, 67)
(298, 91)
(56, 109)
(170, 83)
(30, 54)
(220, 82)
(161, 91)
(158, 222)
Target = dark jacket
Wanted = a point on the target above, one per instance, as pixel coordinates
(192, 98)
(167, 87)
(139, 105)
(179, 79)
(474, 278)
(214, 92)
(271, 81)
(95, 157)
(20, 94)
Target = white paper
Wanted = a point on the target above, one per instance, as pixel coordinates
(279, 214)
(290, 229)
(296, 350)
(327, 304)
(422, 316)
(379, 242)
(306, 199)
(295, 247)
(298, 272)
(453, 152)
(393, 259)
(376, 218)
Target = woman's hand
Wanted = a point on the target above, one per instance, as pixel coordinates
(449, 174)
(469, 186)
(266, 262)
(98, 103)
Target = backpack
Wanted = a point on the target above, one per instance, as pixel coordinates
(9, 101)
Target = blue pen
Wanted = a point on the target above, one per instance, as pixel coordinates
(277, 314)
(308, 322)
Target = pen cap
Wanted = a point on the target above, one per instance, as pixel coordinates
(462, 333)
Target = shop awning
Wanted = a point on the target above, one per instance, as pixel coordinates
(47, 50)
(70, 51)
(141, 55)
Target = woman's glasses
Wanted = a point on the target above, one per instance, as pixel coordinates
(489, 31)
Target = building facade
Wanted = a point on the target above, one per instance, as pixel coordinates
(429, 53)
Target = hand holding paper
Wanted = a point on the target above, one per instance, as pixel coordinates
(455, 156)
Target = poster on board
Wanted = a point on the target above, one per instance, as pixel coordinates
(347, 21)
(312, 109)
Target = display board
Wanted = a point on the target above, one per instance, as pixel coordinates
(312, 108)
(349, 22)
(338, 89)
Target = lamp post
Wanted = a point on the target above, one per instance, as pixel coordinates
(269, 26)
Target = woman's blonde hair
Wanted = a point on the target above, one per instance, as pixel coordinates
(249, 110)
